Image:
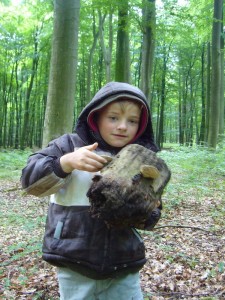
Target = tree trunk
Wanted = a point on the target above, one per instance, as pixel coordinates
(16, 93)
(203, 110)
(61, 92)
(208, 89)
(107, 51)
(149, 20)
(221, 118)
(90, 60)
(184, 109)
(26, 134)
(216, 76)
(191, 115)
(122, 72)
(180, 115)
(7, 107)
(160, 135)
(162, 103)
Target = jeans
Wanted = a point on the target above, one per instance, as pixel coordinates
(74, 286)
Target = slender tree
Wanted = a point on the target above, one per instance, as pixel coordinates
(216, 76)
(106, 51)
(203, 111)
(61, 91)
(95, 31)
(26, 124)
(208, 89)
(222, 112)
(122, 72)
(149, 19)
(160, 135)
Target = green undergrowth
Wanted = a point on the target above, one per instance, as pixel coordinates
(11, 163)
(195, 171)
(190, 162)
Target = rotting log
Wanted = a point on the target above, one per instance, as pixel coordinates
(129, 187)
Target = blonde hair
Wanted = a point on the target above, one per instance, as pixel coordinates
(122, 103)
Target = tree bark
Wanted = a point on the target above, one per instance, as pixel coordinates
(107, 51)
(208, 89)
(90, 59)
(203, 110)
(61, 92)
(216, 76)
(122, 72)
(129, 187)
(149, 20)
(221, 118)
(26, 134)
(160, 136)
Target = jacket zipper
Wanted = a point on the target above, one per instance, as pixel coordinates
(137, 234)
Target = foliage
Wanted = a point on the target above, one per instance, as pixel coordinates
(178, 93)
(198, 171)
(11, 163)
(24, 60)
(183, 262)
(198, 168)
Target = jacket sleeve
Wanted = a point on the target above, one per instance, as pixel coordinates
(43, 174)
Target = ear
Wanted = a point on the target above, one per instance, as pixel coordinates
(149, 171)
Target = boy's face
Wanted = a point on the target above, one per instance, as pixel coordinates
(118, 122)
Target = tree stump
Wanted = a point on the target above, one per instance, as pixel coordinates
(129, 187)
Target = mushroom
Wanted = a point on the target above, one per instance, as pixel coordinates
(149, 171)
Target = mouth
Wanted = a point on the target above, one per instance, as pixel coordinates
(119, 135)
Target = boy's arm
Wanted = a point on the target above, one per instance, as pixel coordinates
(43, 173)
(49, 169)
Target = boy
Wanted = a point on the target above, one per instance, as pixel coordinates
(94, 261)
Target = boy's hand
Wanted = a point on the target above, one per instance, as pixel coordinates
(83, 159)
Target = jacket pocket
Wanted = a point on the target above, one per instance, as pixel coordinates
(71, 232)
(126, 245)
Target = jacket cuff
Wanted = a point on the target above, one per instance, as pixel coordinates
(57, 169)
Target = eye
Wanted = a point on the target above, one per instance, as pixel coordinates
(134, 121)
(112, 118)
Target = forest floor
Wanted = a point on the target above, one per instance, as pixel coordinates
(186, 251)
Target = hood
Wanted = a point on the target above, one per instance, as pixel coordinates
(112, 91)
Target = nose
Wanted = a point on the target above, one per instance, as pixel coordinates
(122, 125)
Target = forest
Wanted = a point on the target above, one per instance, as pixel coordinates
(54, 56)
(173, 50)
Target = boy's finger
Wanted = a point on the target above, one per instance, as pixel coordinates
(91, 147)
